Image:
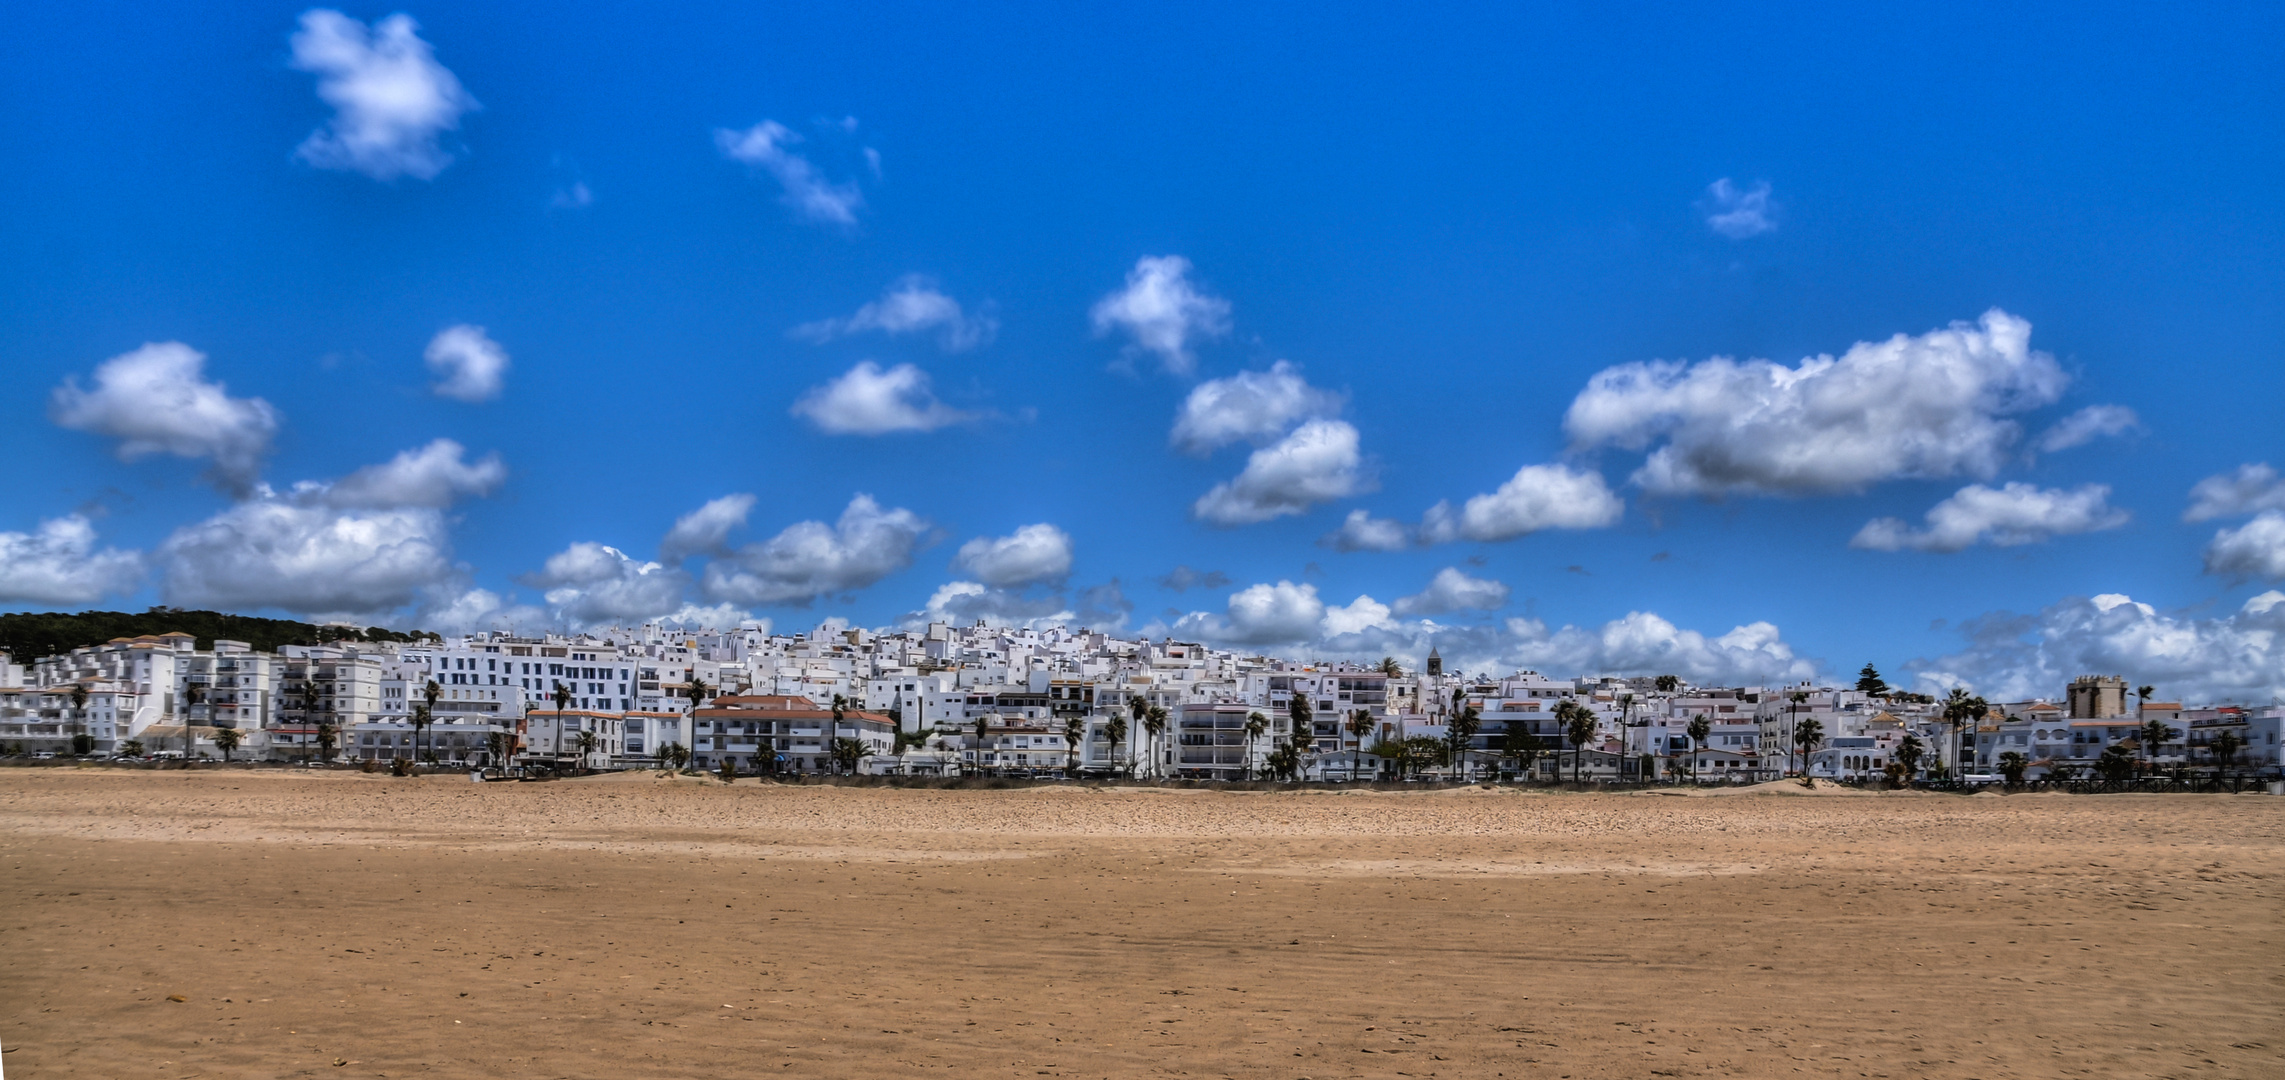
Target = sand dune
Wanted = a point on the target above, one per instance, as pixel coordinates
(351, 925)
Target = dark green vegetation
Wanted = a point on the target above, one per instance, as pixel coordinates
(30, 635)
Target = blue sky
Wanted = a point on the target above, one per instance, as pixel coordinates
(1446, 225)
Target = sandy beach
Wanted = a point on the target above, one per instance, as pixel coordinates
(245, 924)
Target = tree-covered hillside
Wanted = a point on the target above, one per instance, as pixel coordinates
(27, 636)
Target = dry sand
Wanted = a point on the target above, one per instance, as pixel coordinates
(235, 924)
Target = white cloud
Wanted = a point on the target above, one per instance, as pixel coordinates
(966, 602)
(449, 610)
(1261, 615)
(2250, 490)
(1318, 462)
(1163, 312)
(590, 584)
(911, 306)
(156, 400)
(763, 146)
(706, 530)
(1739, 213)
(2255, 549)
(1361, 615)
(1643, 643)
(2087, 425)
(1033, 553)
(1536, 497)
(391, 99)
(59, 565)
(1930, 406)
(433, 476)
(869, 401)
(2004, 517)
(2237, 657)
(372, 543)
(812, 559)
(1361, 531)
(1452, 590)
(468, 366)
(1251, 406)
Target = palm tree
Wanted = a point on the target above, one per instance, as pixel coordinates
(312, 703)
(1960, 710)
(1256, 725)
(840, 713)
(982, 726)
(1578, 727)
(1074, 729)
(2012, 765)
(2225, 747)
(2144, 691)
(1462, 731)
(1699, 728)
(585, 742)
(1391, 668)
(325, 741)
(1154, 722)
(1667, 684)
(1138, 710)
(1360, 725)
(1114, 728)
(131, 748)
(2155, 733)
(1908, 754)
(1792, 712)
(429, 694)
(420, 720)
(79, 713)
(1524, 745)
(1808, 735)
(226, 740)
(1304, 724)
(562, 696)
(696, 690)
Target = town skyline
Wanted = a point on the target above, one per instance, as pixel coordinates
(1536, 364)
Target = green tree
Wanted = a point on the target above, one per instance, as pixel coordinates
(1359, 725)
(665, 754)
(1391, 668)
(226, 740)
(2224, 747)
(1138, 710)
(1303, 723)
(2013, 765)
(1257, 725)
(1667, 684)
(1578, 726)
(1962, 711)
(1700, 727)
(1793, 702)
(585, 743)
(697, 690)
(427, 717)
(983, 731)
(2116, 765)
(1869, 682)
(131, 748)
(1461, 731)
(2143, 692)
(420, 719)
(2155, 735)
(1154, 722)
(725, 770)
(328, 737)
(1074, 729)
(1808, 735)
(840, 713)
(848, 752)
(1908, 755)
(1523, 745)
(1114, 728)
(78, 696)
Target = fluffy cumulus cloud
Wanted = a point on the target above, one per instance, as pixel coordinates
(1359, 616)
(706, 530)
(58, 564)
(765, 147)
(371, 543)
(1361, 531)
(870, 401)
(2235, 657)
(1317, 462)
(967, 602)
(1450, 590)
(1643, 643)
(2004, 517)
(1163, 312)
(1033, 553)
(2087, 425)
(1933, 405)
(911, 306)
(434, 476)
(1738, 212)
(468, 365)
(390, 97)
(1252, 406)
(812, 559)
(2250, 489)
(157, 400)
(2255, 549)
(589, 584)
(1537, 497)
(1284, 613)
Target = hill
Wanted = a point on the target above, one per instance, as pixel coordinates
(29, 635)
